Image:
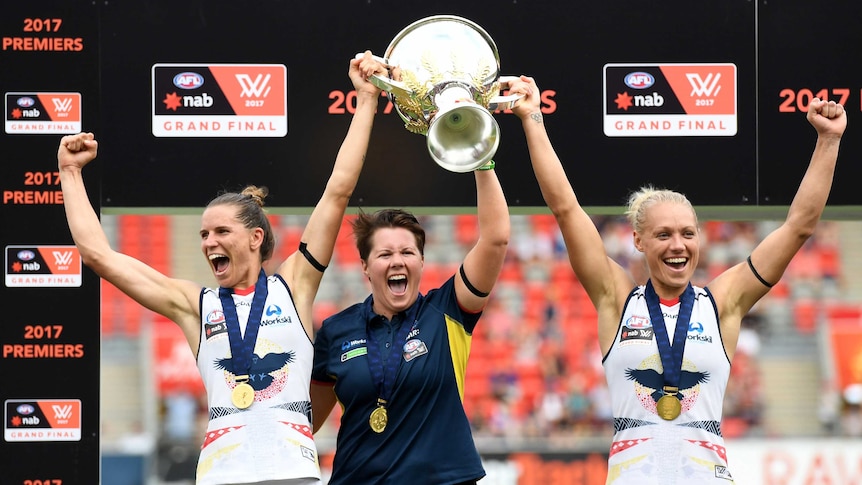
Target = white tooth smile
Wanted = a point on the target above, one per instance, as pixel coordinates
(675, 260)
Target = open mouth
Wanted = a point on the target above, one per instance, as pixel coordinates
(676, 263)
(219, 262)
(398, 284)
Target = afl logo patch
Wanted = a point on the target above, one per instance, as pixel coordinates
(414, 348)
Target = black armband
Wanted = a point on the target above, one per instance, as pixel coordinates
(303, 248)
(473, 289)
(757, 275)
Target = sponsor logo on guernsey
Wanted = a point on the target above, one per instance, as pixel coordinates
(352, 349)
(636, 328)
(215, 316)
(275, 312)
(348, 344)
(214, 324)
(354, 353)
(211, 330)
(721, 471)
(307, 453)
(695, 333)
(414, 348)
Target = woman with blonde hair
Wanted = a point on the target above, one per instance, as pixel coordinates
(667, 345)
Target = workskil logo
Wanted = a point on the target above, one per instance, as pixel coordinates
(219, 100)
(43, 113)
(670, 100)
(43, 266)
(42, 420)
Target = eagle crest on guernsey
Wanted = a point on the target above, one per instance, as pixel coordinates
(263, 369)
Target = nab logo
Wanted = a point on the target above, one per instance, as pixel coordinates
(63, 259)
(639, 80)
(257, 88)
(188, 80)
(700, 87)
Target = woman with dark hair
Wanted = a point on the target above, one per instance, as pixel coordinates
(252, 335)
(396, 362)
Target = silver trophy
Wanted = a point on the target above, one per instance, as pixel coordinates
(444, 80)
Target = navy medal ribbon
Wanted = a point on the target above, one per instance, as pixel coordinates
(384, 373)
(242, 347)
(670, 354)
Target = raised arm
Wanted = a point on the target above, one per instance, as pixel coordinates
(483, 262)
(605, 281)
(739, 288)
(322, 229)
(175, 299)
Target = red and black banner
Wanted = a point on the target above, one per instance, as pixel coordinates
(49, 345)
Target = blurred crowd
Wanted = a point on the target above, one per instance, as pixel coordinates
(535, 367)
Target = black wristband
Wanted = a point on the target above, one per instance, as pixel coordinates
(303, 248)
(473, 289)
(757, 275)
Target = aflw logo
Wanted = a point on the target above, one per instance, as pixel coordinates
(704, 87)
(62, 105)
(257, 88)
(62, 413)
(63, 258)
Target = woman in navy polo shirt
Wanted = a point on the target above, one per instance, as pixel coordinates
(396, 361)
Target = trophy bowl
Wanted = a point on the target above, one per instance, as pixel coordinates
(444, 81)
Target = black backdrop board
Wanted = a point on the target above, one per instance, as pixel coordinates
(59, 56)
(798, 60)
(564, 45)
(49, 344)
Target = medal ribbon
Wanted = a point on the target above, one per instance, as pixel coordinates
(381, 370)
(671, 355)
(242, 347)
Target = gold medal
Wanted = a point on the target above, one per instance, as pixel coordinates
(668, 407)
(243, 395)
(378, 419)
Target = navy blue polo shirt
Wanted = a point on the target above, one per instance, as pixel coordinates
(428, 437)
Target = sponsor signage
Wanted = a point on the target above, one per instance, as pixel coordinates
(43, 266)
(42, 420)
(50, 343)
(665, 100)
(219, 100)
(43, 113)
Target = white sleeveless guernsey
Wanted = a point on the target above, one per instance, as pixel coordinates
(647, 449)
(271, 439)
